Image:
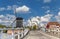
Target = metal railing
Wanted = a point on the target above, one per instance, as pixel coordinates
(19, 34)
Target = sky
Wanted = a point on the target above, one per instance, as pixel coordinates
(29, 8)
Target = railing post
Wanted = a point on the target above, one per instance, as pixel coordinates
(12, 34)
(18, 35)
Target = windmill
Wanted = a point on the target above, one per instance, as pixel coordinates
(18, 20)
(14, 10)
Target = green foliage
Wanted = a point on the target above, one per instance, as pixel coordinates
(2, 26)
(34, 27)
(5, 31)
(9, 27)
(28, 27)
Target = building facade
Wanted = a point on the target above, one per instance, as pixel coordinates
(53, 26)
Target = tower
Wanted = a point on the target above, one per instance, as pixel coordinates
(19, 22)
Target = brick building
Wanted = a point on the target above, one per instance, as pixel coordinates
(51, 26)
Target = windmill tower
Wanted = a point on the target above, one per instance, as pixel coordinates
(18, 20)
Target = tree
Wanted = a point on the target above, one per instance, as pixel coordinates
(2, 26)
(34, 27)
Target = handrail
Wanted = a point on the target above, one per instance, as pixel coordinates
(18, 34)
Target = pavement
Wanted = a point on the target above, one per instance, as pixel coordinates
(50, 36)
(39, 35)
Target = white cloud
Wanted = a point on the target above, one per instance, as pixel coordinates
(24, 8)
(6, 8)
(46, 18)
(58, 13)
(47, 1)
(2, 9)
(47, 11)
(45, 8)
(6, 19)
(37, 20)
(1, 16)
(34, 21)
(58, 17)
(9, 7)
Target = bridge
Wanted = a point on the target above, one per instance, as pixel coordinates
(26, 34)
(19, 35)
(39, 35)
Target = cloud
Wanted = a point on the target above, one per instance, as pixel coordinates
(48, 11)
(46, 18)
(58, 17)
(9, 7)
(1, 16)
(45, 7)
(47, 1)
(6, 19)
(23, 8)
(34, 21)
(2, 9)
(6, 8)
(58, 13)
(39, 20)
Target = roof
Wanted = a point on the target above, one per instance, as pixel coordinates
(19, 18)
(53, 23)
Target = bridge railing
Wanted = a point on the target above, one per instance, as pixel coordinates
(19, 34)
